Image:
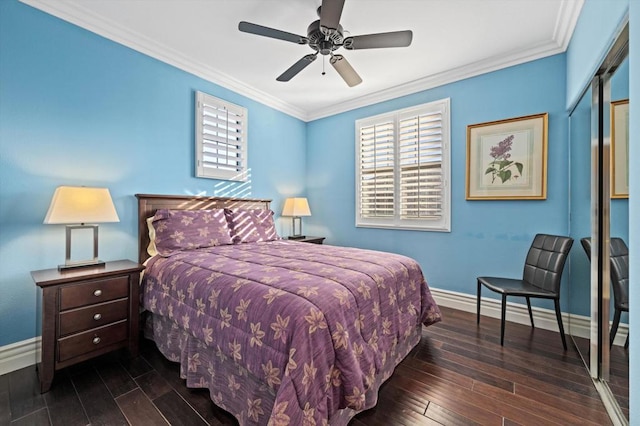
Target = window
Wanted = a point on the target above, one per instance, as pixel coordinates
(402, 169)
(221, 139)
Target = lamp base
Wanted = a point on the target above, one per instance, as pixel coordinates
(87, 263)
(296, 237)
(81, 264)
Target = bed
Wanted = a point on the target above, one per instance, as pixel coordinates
(280, 332)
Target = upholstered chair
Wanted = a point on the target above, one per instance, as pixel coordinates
(540, 279)
(619, 271)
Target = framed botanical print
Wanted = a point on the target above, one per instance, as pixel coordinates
(507, 159)
(620, 149)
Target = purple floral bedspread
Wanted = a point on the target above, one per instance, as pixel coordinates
(319, 326)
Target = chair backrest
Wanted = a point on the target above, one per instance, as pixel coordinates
(619, 265)
(619, 254)
(545, 261)
(586, 245)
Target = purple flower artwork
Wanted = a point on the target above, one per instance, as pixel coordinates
(502, 167)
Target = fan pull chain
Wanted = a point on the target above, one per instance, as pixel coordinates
(323, 58)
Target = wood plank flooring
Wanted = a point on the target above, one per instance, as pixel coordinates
(457, 375)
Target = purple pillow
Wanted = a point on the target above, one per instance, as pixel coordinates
(189, 229)
(250, 226)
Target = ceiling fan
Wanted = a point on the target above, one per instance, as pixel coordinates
(326, 35)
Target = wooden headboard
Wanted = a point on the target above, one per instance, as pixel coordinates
(148, 204)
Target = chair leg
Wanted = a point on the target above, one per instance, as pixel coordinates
(504, 311)
(614, 326)
(626, 343)
(560, 326)
(478, 309)
(530, 313)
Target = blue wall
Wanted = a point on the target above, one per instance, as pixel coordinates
(487, 237)
(594, 33)
(77, 109)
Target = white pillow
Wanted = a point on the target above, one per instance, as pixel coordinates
(151, 248)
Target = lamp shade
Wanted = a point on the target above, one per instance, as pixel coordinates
(80, 204)
(296, 207)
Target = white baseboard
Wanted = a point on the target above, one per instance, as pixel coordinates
(27, 352)
(19, 355)
(576, 325)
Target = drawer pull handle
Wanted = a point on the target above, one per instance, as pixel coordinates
(96, 340)
(97, 317)
(97, 293)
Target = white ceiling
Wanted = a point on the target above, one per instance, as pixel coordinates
(452, 40)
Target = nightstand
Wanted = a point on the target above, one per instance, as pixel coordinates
(313, 240)
(87, 312)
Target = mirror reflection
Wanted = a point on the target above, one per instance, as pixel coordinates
(619, 223)
(580, 222)
(580, 227)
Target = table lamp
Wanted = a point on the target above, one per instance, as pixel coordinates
(296, 207)
(76, 206)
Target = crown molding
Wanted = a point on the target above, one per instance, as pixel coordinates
(566, 22)
(84, 18)
(440, 79)
(563, 30)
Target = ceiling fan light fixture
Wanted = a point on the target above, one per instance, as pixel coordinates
(326, 35)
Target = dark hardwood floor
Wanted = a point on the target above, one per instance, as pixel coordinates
(457, 375)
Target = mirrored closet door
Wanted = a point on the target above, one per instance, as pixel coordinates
(599, 215)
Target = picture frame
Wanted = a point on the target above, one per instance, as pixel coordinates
(507, 159)
(620, 149)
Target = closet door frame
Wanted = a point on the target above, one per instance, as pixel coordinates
(599, 362)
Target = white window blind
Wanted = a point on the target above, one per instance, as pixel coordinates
(377, 179)
(221, 139)
(403, 169)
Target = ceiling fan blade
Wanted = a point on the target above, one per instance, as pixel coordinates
(346, 71)
(379, 40)
(297, 67)
(248, 27)
(330, 13)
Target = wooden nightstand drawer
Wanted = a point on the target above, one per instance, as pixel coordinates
(90, 292)
(86, 312)
(91, 340)
(92, 316)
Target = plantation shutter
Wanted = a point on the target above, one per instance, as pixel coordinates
(377, 180)
(403, 169)
(221, 139)
(420, 151)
